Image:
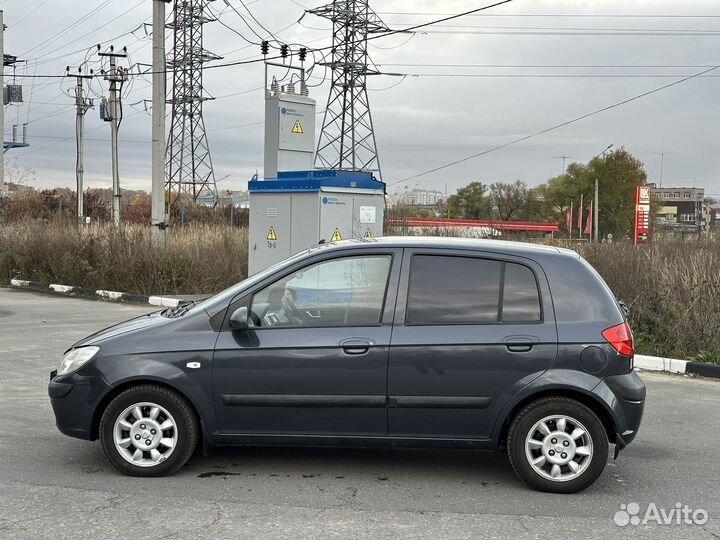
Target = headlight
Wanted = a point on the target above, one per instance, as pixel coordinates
(75, 359)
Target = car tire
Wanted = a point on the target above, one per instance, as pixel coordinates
(557, 445)
(148, 430)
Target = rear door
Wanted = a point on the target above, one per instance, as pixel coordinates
(471, 329)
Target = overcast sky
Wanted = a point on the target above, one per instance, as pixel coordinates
(599, 53)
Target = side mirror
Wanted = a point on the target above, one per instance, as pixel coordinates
(239, 319)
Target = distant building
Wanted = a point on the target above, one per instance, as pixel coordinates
(423, 198)
(681, 208)
(714, 214)
(239, 199)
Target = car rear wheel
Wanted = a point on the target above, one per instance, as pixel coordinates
(148, 430)
(558, 445)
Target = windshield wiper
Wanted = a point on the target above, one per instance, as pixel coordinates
(178, 311)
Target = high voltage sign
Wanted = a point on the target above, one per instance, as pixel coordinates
(297, 128)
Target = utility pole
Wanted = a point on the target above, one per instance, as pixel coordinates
(564, 159)
(596, 207)
(2, 109)
(116, 76)
(82, 105)
(159, 92)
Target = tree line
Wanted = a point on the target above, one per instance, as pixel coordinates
(618, 174)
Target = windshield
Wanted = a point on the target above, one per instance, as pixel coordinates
(221, 300)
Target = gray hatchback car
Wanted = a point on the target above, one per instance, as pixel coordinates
(394, 342)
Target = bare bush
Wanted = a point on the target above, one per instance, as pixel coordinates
(197, 259)
(672, 289)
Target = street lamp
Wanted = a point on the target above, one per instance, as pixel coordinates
(597, 196)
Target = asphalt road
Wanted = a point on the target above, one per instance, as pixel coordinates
(52, 486)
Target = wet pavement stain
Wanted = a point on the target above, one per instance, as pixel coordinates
(223, 474)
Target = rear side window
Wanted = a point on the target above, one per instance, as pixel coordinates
(446, 290)
(521, 300)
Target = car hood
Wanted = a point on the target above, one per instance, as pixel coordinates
(133, 325)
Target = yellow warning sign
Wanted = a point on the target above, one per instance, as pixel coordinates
(297, 128)
(368, 234)
(336, 237)
(272, 237)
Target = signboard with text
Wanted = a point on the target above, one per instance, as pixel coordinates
(642, 215)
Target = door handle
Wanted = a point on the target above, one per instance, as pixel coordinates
(316, 315)
(355, 346)
(520, 344)
(520, 347)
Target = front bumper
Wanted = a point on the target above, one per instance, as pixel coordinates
(74, 399)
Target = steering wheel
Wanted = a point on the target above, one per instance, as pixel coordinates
(292, 312)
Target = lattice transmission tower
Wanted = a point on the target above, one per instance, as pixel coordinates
(189, 170)
(347, 139)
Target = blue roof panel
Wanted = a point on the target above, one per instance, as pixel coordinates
(298, 181)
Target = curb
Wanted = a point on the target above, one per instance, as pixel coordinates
(159, 301)
(673, 365)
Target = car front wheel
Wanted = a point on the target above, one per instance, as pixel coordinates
(558, 445)
(148, 430)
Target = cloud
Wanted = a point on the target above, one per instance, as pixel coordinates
(423, 122)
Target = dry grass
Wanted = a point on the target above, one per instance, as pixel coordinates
(671, 287)
(196, 259)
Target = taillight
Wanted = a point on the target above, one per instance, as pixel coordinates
(621, 339)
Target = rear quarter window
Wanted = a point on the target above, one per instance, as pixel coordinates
(579, 293)
(521, 299)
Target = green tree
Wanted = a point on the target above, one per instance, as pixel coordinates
(511, 200)
(618, 174)
(470, 202)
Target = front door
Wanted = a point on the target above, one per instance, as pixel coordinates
(471, 330)
(314, 360)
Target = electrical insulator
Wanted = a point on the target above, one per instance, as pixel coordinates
(284, 51)
(265, 48)
(303, 54)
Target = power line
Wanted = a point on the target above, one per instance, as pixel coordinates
(233, 30)
(33, 10)
(329, 47)
(555, 66)
(556, 15)
(574, 28)
(254, 18)
(79, 38)
(557, 126)
(52, 38)
(442, 20)
(573, 33)
(547, 75)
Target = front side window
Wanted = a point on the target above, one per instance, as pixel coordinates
(340, 292)
(446, 290)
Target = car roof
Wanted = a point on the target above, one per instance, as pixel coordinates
(501, 246)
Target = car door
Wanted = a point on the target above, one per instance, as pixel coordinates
(471, 329)
(314, 359)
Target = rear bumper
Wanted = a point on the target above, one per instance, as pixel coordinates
(625, 396)
(74, 400)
